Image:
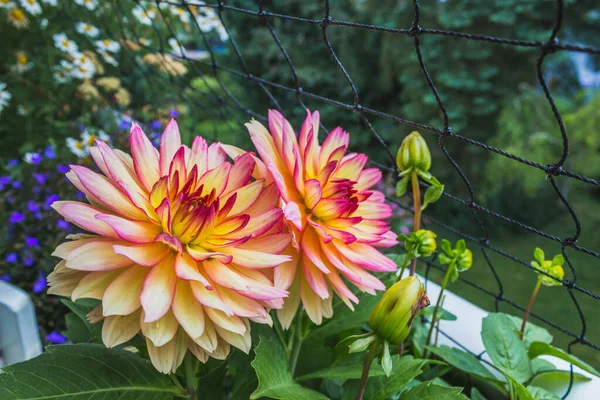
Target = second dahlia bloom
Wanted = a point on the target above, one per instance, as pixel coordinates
(336, 219)
(181, 248)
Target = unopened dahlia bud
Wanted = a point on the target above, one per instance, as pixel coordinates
(551, 267)
(420, 243)
(414, 153)
(392, 317)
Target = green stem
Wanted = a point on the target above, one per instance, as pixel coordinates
(365, 373)
(417, 214)
(190, 377)
(408, 258)
(437, 306)
(280, 334)
(530, 305)
(297, 343)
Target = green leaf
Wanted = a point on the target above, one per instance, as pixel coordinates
(505, 348)
(442, 314)
(446, 246)
(77, 331)
(540, 365)
(533, 333)
(541, 394)
(521, 391)
(539, 348)
(81, 308)
(432, 195)
(476, 394)
(274, 378)
(386, 360)
(462, 360)
(85, 371)
(401, 186)
(557, 379)
(429, 390)
(243, 376)
(344, 372)
(539, 255)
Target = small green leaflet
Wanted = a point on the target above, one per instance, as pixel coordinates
(429, 390)
(539, 348)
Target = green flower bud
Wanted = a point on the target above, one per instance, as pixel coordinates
(414, 153)
(552, 267)
(392, 317)
(461, 256)
(421, 243)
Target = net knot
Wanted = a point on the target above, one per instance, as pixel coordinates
(357, 108)
(415, 31)
(554, 169)
(471, 204)
(551, 46)
(326, 22)
(484, 241)
(570, 241)
(250, 76)
(446, 132)
(568, 284)
(299, 90)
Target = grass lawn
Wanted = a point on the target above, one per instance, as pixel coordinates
(552, 303)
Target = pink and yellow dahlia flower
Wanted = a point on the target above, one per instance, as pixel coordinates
(182, 247)
(336, 219)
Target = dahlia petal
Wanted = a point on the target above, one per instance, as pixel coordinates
(267, 200)
(222, 351)
(315, 278)
(132, 231)
(118, 171)
(210, 299)
(160, 331)
(187, 310)
(313, 193)
(371, 210)
(245, 196)
(242, 169)
(84, 216)
(186, 268)
(163, 211)
(198, 155)
(260, 224)
(147, 255)
(201, 254)
(389, 240)
(99, 160)
(209, 339)
(313, 304)
(255, 259)
(362, 279)
(216, 155)
(168, 358)
(330, 208)
(293, 214)
(243, 306)
(288, 192)
(273, 244)
(177, 168)
(140, 201)
(170, 141)
(158, 290)
(366, 256)
(122, 296)
(341, 289)
(242, 342)
(94, 284)
(337, 261)
(321, 231)
(170, 241)
(197, 351)
(62, 281)
(231, 225)
(311, 249)
(107, 194)
(96, 256)
(118, 329)
(368, 178)
(351, 166)
(263, 141)
(289, 147)
(64, 249)
(159, 192)
(77, 183)
(215, 179)
(290, 306)
(145, 157)
(285, 273)
(336, 139)
(228, 322)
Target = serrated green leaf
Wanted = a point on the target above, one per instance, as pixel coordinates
(533, 333)
(429, 390)
(274, 378)
(539, 348)
(404, 370)
(81, 308)
(462, 360)
(85, 371)
(539, 393)
(505, 348)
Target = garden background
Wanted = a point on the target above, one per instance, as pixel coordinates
(75, 71)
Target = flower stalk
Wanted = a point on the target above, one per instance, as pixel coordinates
(437, 307)
(530, 305)
(297, 344)
(190, 376)
(417, 214)
(366, 368)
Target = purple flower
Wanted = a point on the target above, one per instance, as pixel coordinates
(16, 217)
(49, 200)
(63, 169)
(125, 124)
(28, 261)
(174, 113)
(5, 278)
(32, 206)
(31, 241)
(56, 338)
(405, 230)
(16, 184)
(40, 283)
(10, 199)
(49, 152)
(81, 127)
(38, 216)
(33, 158)
(5, 180)
(80, 195)
(62, 224)
(40, 178)
(13, 162)
(11, 258)
(156, 124)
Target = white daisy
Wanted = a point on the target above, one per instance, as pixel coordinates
(62, 42)
(222, 32)
(77, 147)
(178, 49)
(84, 70)
(23, 64)
(32, 7)
(182, 13)
(23, 110)
(144, 16)
(87, 29)
(108, 45)
(204, 24)
(5, 96)
(8, 4)
(53, 3)
(89, 4)
(88, 139)
(63, 72)
(108, 58)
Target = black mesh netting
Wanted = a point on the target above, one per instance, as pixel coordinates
(217, 101)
